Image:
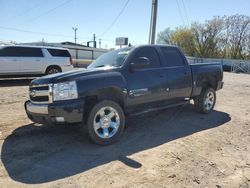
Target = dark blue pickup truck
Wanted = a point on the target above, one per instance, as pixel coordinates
(122, 82)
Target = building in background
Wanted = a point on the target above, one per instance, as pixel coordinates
(2, 43)
(83, 52)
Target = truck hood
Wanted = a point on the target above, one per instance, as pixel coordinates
(70, 76)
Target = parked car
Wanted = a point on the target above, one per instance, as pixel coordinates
(25, 60)
(122, 82)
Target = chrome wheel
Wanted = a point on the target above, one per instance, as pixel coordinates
(106, 122)
(209, 101)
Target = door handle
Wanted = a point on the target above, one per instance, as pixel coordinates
(161, 75)
(186, 75)
(186, 71)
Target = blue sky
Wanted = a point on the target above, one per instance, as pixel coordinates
(53, 19)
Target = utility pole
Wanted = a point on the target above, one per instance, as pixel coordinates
(75, 29)
(100, 43)
(153, 22)
(94, 41)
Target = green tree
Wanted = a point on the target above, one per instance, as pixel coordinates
(184, 38)
(220, 37)
(207, 37)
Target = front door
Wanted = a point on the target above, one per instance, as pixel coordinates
(145, 85)
(9, 60)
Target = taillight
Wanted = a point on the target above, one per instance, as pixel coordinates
(70, 60)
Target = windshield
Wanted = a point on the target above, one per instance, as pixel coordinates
(114, 58)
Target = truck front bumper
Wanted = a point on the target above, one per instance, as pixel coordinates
(70, 111)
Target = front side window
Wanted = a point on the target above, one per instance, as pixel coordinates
(9, 52)
(151, 54)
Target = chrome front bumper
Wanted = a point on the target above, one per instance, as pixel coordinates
(37, 108)
(71, 110)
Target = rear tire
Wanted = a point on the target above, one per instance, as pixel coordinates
(205, 102)
(53, 70)
(106, 122)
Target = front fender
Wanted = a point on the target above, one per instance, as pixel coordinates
(101, 81)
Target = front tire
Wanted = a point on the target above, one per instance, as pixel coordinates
(205, 102)
(106, 122)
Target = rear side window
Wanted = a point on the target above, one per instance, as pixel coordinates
(151, 54)
(172, 57)
(21, 52)
(30, 52)
(59, 53)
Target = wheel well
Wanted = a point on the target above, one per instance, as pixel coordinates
(113, 94)
(210, 83)
(53, 66)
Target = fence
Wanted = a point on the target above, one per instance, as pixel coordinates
(231, 65)
(81, 62)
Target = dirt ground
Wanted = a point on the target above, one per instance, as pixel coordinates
(177, 147)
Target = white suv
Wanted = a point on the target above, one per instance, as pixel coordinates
(16, 60)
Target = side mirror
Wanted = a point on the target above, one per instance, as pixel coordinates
(139, 63)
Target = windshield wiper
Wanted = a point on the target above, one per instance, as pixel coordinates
(100, 66)
(103, 66)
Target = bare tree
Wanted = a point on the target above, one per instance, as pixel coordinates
(207, 37)
(220, 37)
(238, 31)
(164, 37)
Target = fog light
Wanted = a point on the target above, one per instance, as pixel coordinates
(60, 119)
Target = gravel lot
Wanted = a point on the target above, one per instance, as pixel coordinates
(177, 147)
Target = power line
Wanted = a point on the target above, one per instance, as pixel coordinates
(180, 12)
(109, 40)
(47, 12)
(32, 32)
(30, 9)
(115, 20)
(185, 11)
(37, 33)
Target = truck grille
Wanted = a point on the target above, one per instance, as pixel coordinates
(41, 94)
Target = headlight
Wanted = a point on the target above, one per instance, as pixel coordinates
(65, 91)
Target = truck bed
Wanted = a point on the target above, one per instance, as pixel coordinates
(204, 72)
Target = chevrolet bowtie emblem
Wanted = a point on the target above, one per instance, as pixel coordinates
(33, 93)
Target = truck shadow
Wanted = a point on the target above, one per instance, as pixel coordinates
(14, 82)
(39, 154)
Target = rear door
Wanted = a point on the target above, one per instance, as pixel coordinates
(9, 60)
(145, 85)
(31, 60)
(178, 74)
(59, 56)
